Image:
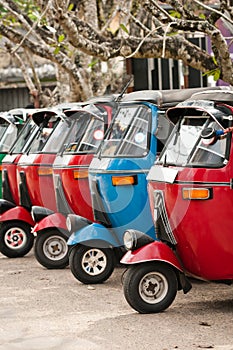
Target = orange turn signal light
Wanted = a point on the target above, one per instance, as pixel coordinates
(43, 171)
(80, 174)
(123, 180)
(196, 193)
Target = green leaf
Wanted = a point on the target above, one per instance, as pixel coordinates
(123, 27)
(61, 38)
(71, 6)
(175, 14)
(172, 33)
(57, 50)
(202, 16)
(214, 60)
(214, 72)
(217, 75)
(92, 64)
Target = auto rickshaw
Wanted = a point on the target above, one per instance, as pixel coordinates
(34, 184)
(11, 123)
(117, 179)
(70, 175)
(191, 202)
(21, 145)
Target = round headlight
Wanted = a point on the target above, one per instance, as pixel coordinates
(128, 239)
(68, 223)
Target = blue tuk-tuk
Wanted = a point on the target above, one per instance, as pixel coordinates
(117, 179)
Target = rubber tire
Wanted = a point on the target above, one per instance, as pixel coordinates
(39, 251)
(131, 281)
(75, 261)
(17, 252)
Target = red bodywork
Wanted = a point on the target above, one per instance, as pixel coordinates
(76, 190)
(40, 186)
(153, 251)
(17, 213)
(202, 228)
(53, 220)
(10, 164)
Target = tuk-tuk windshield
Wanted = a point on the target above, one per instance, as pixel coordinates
(129, 134)
(8, 134)
(185, 147)
(23, 137)
(3, 126)
(46, 129)
(57, 139)
(86, 134)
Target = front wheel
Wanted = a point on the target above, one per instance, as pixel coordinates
(16, 239)
(150, 287)
(51, 249)
(91, 265)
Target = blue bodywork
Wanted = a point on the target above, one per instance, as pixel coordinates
(121, 207)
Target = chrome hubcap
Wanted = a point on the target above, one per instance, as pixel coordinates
(94, 262)
(15, 238)
(55, 248)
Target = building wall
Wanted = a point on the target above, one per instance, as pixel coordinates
(13, 98)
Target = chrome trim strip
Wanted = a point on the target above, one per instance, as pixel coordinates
(161, 212)
(193, 183)
(137, 171)
(71, 166)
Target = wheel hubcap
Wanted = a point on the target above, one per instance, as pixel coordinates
(15, 238)
(153, 287)
(94, 262)
(55, 248)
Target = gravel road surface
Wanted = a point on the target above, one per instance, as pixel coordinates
(50, 309)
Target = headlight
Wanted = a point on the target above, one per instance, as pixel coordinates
(76, 222)
(68, 223)
(39, 213)
(134, 239)
(128, 239)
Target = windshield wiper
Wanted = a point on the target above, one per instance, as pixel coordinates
(177, 132)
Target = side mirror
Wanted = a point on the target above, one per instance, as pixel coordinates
(208, 133)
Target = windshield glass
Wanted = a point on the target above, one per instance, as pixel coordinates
(3, 126)
(129, 133)
(46, 129)
(186, 147)
(86, 134)
(23, 137)
(56, 140)
(208, 152)
(8, 138)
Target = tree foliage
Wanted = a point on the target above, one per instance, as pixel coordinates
(79, 35)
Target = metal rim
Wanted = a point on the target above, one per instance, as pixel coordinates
(15, 238)
(153, 287)
(94, 262)
(55, 248)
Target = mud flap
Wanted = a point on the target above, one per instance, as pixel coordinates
(185, 283)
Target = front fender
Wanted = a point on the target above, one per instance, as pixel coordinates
(155, 251)
(57, 220)
(94, 232)
(5, 205)
(18, 213)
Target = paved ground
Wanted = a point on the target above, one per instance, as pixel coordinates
(50, 309)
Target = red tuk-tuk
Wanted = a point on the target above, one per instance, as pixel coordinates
(10, 161)
(190, 192)
(34, 184)
(70, 174)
